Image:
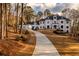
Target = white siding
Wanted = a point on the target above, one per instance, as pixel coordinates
(48, 23)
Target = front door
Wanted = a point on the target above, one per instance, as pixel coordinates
(48, 26)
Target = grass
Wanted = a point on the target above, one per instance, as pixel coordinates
(64, 44)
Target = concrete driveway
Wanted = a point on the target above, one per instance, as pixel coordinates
(44, 46)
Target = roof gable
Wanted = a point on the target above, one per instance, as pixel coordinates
(58, 17)
(51, 18)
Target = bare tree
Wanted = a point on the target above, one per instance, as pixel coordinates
(21, 18)
(3, 21)
(73, 15)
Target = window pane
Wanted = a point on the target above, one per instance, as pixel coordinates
(67, 26)
(61, 26)
(61, 21)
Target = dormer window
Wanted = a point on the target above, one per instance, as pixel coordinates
(54, 17)
(61, 21)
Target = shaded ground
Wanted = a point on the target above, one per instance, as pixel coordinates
(64, 44)
(12, 47)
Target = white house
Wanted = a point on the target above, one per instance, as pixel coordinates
(52, 22)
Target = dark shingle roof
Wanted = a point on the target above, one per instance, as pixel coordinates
(51, 18)
(58, 17)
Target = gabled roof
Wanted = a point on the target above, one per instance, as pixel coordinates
(51, 18)
(58, 17)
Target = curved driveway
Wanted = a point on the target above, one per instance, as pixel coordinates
(44, 46)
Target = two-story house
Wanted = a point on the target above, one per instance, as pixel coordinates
(52, 22)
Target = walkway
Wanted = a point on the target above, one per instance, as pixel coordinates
(44, 46)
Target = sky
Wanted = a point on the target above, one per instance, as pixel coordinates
(53, 7)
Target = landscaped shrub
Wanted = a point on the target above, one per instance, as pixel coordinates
(76, 37)
(25, 31)
(20, 38)
(59, 32)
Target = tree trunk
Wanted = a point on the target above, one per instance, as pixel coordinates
(3, 22)
(6, 16)
(17, 16)
(21, 18)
